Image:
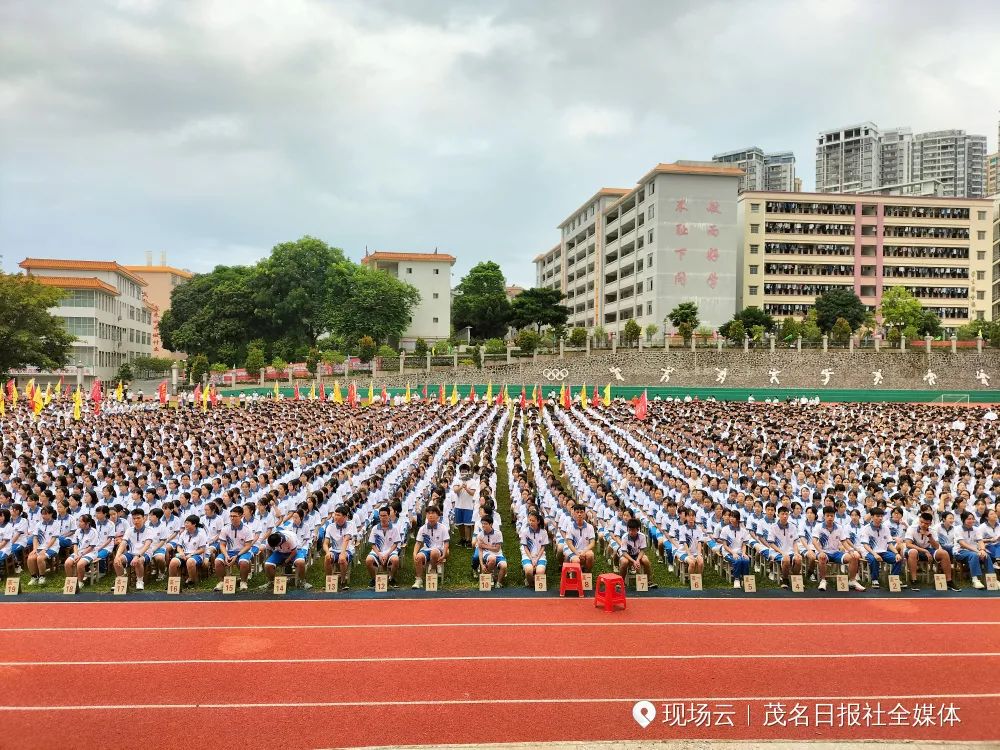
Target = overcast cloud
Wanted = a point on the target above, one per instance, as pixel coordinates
(213, 130)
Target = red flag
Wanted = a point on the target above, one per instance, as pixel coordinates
(296, 392)
(197, 393)
(67, 392)
(642, 407)
(213, 396)
(163, 392)
(425, 391)
(95, 392)
(10, 389)
(352, 394)
(500, 394)
(441, 393)
(566, 401)
(322, 393)
(472, 393)
(540, 400)
(385, 395)
(596, 400)
(524, 399)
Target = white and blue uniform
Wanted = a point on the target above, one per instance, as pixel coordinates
(531, 543)
(384, 541)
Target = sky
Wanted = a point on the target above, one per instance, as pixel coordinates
(213, 130)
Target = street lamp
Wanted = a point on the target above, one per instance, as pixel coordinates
(666, 319)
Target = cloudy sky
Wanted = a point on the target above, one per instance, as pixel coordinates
(212, 130)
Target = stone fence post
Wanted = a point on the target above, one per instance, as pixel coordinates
(927, 343)
(954, 344)
(826, 342)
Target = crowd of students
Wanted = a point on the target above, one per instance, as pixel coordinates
(279, 486)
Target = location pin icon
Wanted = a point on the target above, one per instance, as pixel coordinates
(643, 712)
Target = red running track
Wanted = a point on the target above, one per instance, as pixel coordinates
(321, 673)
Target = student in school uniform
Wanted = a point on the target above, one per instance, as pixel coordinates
(190, 550)
(923, 546)
(136, 547)
(580, 540)
(784, 543)
(875, 542)
(385, 543)
(431, 546)
(46, 547)
(234, 544)
(692, 537)
(466, 489)
(989, 530)
(84, 550)
(632, 555)
(489, 542)
(338, 546)
(19, 540)
(534, 541)
(971, 549)
(732, 540)
(831, 545)
(285, 545)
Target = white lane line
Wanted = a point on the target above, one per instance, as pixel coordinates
(546, 624)
(490, 658)
(117, 707)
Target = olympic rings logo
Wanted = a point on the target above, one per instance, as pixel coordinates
(555, 374)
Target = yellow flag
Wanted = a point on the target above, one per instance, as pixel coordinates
(48, 393)
(276, 391)
(312, 392)
(454, 395)
(3, 403)
(371, 392)
(406, 398)
(77, 405)
(119, 392)
(534, 395)
(29, 390)
(13, 395)
(489, 392)
(583, 397)
(506, 396)
(607, 395)
(338, 397)
(204, 399)
(39, 401)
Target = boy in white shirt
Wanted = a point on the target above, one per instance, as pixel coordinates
(633, 551)
(338, 544)
(136, 548)
(385, 542)
(431, 547)
(579, 541)
(489, 543)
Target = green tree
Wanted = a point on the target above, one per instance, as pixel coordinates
(124, 374)
(735, 332)
(757, 334)
(386, 351)
(839, 304)
(685, 330)
(332, 357)
(366, 349)
(841, 331)
(527, 341)
(279, 364)
(600, 336)
(809, 328)
(481, 302)
(631, 332)
(375, 304)
(929, 324)
(199, 368)
(151, 367)
(685, 312)
(312, 361)
(441, 348)
(750, 317)
(496, 346)
(970, 331)
(420, 348)
(29, 335)
(651, 330)
(218, 368)
(705, 333)
(900, 309)
(578, 337)
(539, 307)
(254, 361)
(790, 329)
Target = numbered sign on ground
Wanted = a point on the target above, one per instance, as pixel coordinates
(174, 585)
(381, 583)
(121, 585)
(70, 584)
(431, 582)
(750, 584)
(895, 586)
(12, 586)
(940, 584)
(992, 584)
(332, 584)
(485, 582)
(696, 584)
(641, 582)
(842, 583)
(280, 584)
(229, 585)
(540, 583)
(798, 585)
(588, 581)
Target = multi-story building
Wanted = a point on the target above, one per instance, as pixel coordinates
(430, 273)
(638, 253)
(896, 159)
(913, 187)
(996, 257)
(103, 308)
(992, 169)
(797, 246)
(849, 159)
(160, 282)
(761, 171)
(954, 158)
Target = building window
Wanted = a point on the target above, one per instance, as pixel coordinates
(754, 208)
(981, 255)
(649, 237)
(980, 315)
(649, 285)
(981, 215)
(981, 235)
(980, 295)
(753, 290)
(649, 260)
(437, 271)
(755, 228)
(980, 275)
(754, 249)
(649, 308)
(650, 213)
(435, 295)
(753, 270)
(650, 189)
(409, 270)
(435, 320)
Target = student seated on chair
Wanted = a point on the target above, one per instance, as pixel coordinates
(632, 555)
(235, 542)
(579, 541)
(135, 548)
(785, 545)
(832, 546)
(384, 554)
(489, 543)
(285, 545)
(338, 546)
(922, 546)
(732, 539)
(431, 546)
(190, 550)
(971, 549)
(534, 541)
(84, 550)
(875, 542)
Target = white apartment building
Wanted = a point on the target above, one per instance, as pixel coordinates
(897, 157)
(637, 253)
(761, 171)
(103, 308)
(954, 158)
(430, 273)
(848, 159)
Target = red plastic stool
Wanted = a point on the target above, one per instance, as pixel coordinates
(610, 590)
(572, 579)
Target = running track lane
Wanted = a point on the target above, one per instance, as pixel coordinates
(362, 703)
